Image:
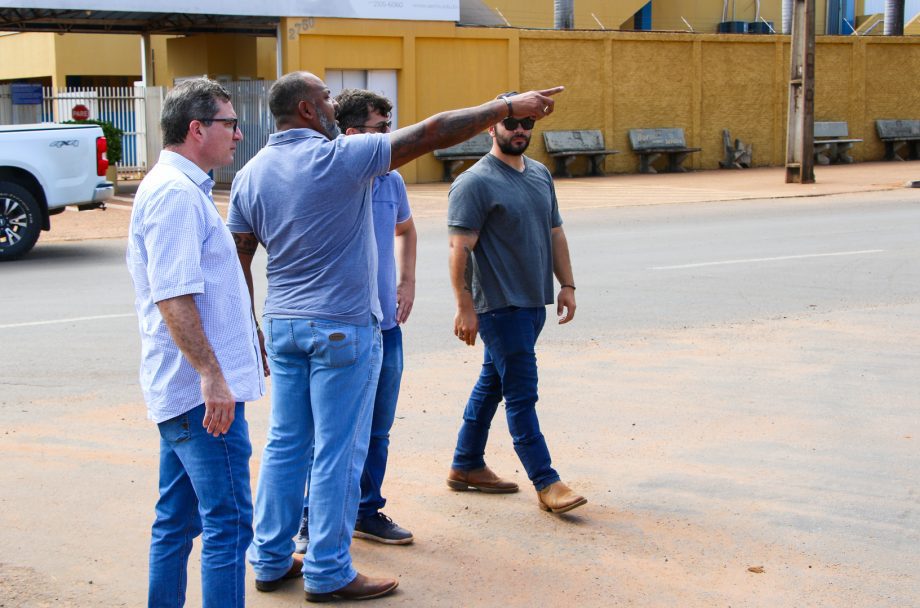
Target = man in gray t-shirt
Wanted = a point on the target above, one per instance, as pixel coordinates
(506, 242)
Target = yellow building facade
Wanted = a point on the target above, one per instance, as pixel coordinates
(617, 81)
(115, 59)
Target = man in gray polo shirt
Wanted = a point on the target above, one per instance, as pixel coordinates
(306, 197)
(506, 242)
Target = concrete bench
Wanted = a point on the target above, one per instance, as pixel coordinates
(566, 146)
(832, 141)
(472, 149)
(650, 144)
(897, 134)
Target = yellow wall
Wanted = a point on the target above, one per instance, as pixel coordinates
(28, 55)
(96, 55)
(57, 56)
(617, 81)
(462, 66)
(266, 58)
(216, 55)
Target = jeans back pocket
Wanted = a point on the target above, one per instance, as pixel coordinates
(336, 344)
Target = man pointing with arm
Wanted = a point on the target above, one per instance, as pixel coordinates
(306, 197)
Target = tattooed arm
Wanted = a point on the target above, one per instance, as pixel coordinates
(454, 126)
(460, 262)
(246, 245)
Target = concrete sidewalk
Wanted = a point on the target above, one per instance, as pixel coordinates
(699, 186)
(430, 200)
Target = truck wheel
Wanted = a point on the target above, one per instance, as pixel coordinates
(20, 221)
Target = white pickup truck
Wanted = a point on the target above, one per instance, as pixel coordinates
(44, 168)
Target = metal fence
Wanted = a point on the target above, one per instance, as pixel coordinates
(136, 111)
(250, 100)
(122, 107)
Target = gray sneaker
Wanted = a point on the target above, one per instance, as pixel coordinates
(382, 529)
(303, 537)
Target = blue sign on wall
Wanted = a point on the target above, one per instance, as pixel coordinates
(26, 94)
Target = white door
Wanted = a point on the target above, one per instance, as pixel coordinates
(382, 82)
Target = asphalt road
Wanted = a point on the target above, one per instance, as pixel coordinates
(747, 368)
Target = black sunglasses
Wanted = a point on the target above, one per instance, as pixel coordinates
(230, 122)
(512, 123)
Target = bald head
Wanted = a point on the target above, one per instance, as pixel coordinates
(287, 93)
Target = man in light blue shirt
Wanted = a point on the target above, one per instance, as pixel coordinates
(200, 354)
(306, 197)
(362, 111)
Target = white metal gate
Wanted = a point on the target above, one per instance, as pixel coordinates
(123, 107)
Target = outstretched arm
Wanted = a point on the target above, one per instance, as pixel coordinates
(562, 268)
(454, 126)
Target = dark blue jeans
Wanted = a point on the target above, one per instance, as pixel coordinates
(509, 371)
(204, 489)
(375, 466)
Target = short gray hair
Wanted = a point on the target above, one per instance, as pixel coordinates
(194, 99)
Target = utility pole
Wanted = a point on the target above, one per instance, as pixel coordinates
(800, 135)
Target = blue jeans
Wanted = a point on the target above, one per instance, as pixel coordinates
(323, 378)
(509, 371)
(204, 489)
(375, 466)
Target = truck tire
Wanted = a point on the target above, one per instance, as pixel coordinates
(20, 221)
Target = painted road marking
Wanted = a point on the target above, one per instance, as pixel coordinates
(70, 320)
(774, 259)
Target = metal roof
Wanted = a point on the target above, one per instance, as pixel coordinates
(119, 22)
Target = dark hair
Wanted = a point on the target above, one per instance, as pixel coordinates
(190, 100)
(356, 104)
(286, 94)
(507, 94)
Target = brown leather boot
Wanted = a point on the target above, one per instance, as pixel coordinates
(559, 498)
(361, 588)
(482, 479)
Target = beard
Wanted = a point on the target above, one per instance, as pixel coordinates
(509, 148)
(330, 128)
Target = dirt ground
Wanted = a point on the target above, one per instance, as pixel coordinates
(701, 491)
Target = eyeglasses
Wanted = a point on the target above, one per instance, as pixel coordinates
(380, 127)
(231, 123)
(512, 123)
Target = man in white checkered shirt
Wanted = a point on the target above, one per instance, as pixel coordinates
(200, 352)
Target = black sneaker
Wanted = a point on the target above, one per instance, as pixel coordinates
(382, 529)
(303, 537)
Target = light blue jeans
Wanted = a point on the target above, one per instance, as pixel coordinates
(387, 396)
(204, 489)
(324, 375)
